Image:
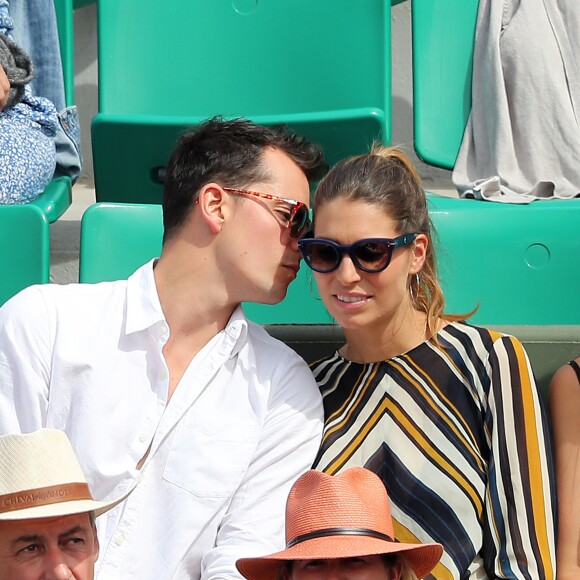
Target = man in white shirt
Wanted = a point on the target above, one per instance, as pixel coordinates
(161, 378)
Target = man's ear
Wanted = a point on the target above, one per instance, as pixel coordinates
(210, 202)
(96, 544)
(418, 253)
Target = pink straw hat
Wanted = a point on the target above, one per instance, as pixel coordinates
(340, 516)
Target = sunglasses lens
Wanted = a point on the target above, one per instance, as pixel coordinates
(372, 256)
(300, 221)
(322, 257)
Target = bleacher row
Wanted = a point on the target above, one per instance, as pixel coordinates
(324, 69)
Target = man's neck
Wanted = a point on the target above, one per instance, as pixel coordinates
(195, 306)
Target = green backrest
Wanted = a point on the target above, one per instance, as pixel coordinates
(443, 33)
(515, 261)
(24, 248)
(322, 67)
(65, 22)
(118, 238)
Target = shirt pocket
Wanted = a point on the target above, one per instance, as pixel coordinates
(210, 460)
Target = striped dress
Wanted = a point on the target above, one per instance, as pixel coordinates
(459, 436)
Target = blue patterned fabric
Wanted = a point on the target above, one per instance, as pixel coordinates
(27, 140)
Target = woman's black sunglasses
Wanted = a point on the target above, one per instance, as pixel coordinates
(368, 255)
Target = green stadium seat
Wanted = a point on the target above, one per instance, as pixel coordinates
(24, 239)
(443, 32)
(321, 67)
(490, 256)
(511, 260)
(65, 21)
(116, 239)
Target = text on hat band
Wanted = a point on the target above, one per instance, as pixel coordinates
(44, 496)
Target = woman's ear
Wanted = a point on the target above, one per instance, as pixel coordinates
(210, 202)
(418, 253)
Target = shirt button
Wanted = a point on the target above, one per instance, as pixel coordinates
(119, 540)
(162, 375)
(163, 330)
(143, 437)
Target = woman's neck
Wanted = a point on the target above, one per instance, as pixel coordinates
(385, 340)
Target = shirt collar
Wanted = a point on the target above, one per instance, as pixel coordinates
(143, 306)
(144, 310)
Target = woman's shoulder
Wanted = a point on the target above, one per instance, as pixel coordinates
(468, 331)
(327, 361)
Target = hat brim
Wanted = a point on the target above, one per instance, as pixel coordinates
(422, 558)
(64, 508)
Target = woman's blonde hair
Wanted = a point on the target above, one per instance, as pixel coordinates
(387, 177)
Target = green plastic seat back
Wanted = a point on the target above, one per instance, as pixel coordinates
(321, 67)
(511, 260)
(65, 22)
(443, 34)
(24, 249)
(116, 239)
(515, 261)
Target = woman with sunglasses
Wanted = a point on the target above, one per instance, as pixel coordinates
(446, 413)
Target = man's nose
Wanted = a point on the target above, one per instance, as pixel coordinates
(56, 567)
(333, 571)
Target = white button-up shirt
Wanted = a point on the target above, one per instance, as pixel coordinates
(244, 422)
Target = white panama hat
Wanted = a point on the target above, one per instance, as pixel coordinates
(41, 477)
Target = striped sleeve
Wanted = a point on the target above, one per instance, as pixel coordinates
(519, 528)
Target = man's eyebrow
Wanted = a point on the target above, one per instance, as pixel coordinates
(26, 539)
(37, 537)
(75, 530)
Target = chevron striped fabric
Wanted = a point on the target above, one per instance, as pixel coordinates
(458, 433)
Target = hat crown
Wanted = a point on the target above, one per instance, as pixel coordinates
(36, 460)
(355, 498)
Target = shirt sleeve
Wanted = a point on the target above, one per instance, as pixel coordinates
(519, 526)
(24, 362)
(254, 522)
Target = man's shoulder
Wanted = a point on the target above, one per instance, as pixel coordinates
(264, 343)
(56, 297)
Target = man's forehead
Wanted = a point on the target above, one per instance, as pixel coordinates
(38, 527)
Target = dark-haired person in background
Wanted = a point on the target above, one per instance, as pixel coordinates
(161, 377)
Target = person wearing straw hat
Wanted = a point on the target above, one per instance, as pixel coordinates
(341, 526)
(47, 511)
